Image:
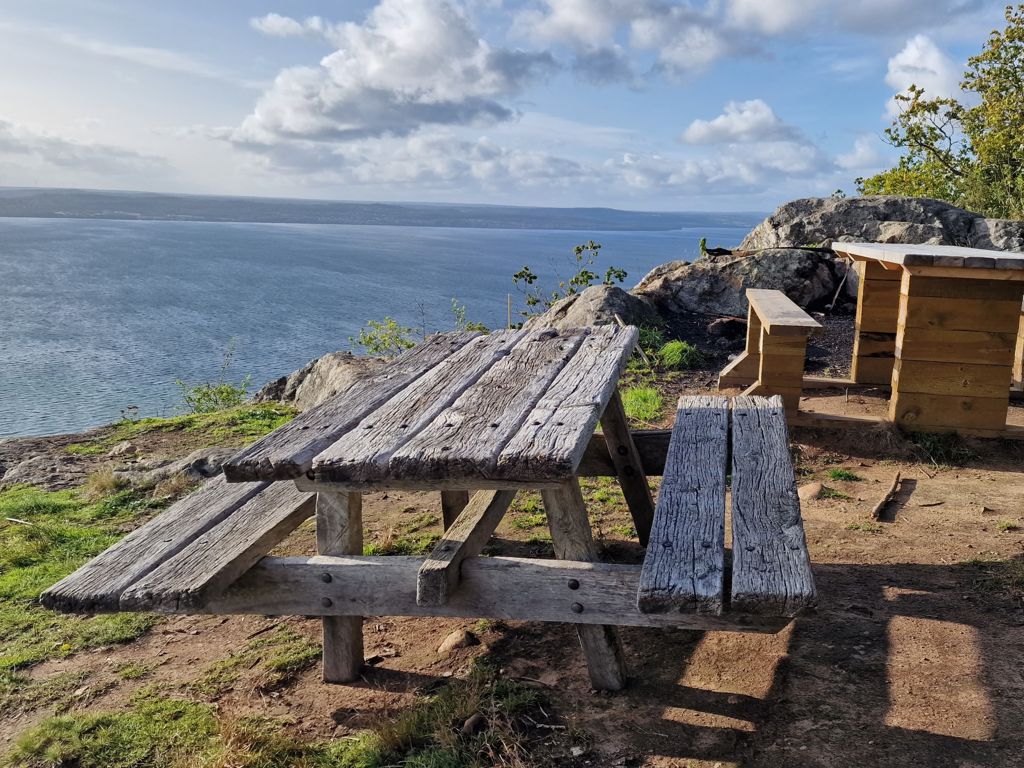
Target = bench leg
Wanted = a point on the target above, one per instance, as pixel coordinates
(628, 467)
(570, 533)
(339, 531)
(452, 504)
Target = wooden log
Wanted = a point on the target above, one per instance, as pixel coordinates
(876, 511)
(685, 562)
(339, 531)
(561, 591)
(452, 503)
(771, 571)
(97, 586)
(439, 575)
(288, 451)
(628, 467)
(572, 540)
(218, 557)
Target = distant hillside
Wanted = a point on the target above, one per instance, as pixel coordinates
(94, 204)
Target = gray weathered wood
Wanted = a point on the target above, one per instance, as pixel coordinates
(97, 585)
(572, 540)
(555, 434)
(452, 504)
(216, 558)
(465, 439)
(771, 570)
(339, 531)
(466, 537)
(685, 561)
(364, 453)
(545, 590)
(779, 314)
(911, 255)
(628, 467)
(288, 452)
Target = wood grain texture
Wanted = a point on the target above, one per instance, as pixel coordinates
(779, 314)
(216, 558)
(466, 438)
(554, 434)
(546, 590)
(466, 537)
(771, 571)
(932, 255)
(365, 451)
(339, 531)
(572, 540)
(97, 586)
(288, 451)
(628, 467)
(685, 562)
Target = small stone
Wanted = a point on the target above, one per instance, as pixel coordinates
(810, 491)
(577, 751)
(124, 448)
(474, 724)
(460, 638)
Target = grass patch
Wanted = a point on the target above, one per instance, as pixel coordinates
(680, 356)
(642, 404)
(943, 449)
(244, 424)
(1007, 526)
(844, 475)
(528, 503)
(1005, 576)
(832, 493)
(277, 657)
(44, 535)
(626, 531)
(865, 527)
(526, 522)
(133, 671)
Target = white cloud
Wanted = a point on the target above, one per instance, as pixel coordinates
(865, 156)
(742, 122)
(55, 150)
(276, 25)
(922, 63)
(412, 63)
(772, 17)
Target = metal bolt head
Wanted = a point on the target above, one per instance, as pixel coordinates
(577, 608)
(326, 602)
(325, 578)
(573, 584)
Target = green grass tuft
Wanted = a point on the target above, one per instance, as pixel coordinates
(843, 474)
(526, 522)
(680, 356)
(1007, 526)
(643, 405)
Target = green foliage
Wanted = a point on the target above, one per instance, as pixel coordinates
(384, 338)
(943, 449)
(642, 404)
(971, 154)
(216, 395)
(526, 522)
(843, 474)
(461, 323)
(44, 536)
(680, 355)
(584, 259)
(832, 493)
(274, 658)
(1007, 526)
(865, 527)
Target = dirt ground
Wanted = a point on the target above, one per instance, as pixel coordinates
(912, 658)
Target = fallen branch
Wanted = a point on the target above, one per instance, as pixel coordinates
(622, 323)
(876, 513)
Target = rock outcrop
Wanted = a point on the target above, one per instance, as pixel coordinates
(882, 219)
(318, 380)
(597, 305)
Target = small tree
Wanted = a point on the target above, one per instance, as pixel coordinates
(214, 395)
(584, 258)
(384, 338)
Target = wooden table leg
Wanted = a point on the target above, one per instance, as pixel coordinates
(572, 539)
(628, 467)
(874, 336)
(452, 504)
(339, 531)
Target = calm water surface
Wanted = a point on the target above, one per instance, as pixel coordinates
(99, 315)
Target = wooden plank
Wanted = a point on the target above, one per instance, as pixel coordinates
(572, 540)
(97, 585)
(439, 575)
(959, 314)
(563, 591)
(940, 345)
(363, 453)
(873, 370)
(628, 467)
(933, 413)
(742, 371)
(960, 273)
(288, 451)
(216, 558)
(958, 288)
(452, 504)
(339, 531)
(466, 439)
(685, 562)
(940, 378)
(876, 344)
(771, 571)
(779, 314)
(651, 447)
(941, 256)
(1018, 356)
(555, 434)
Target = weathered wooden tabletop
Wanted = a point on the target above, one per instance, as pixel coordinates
(932, 255)
(461, 407)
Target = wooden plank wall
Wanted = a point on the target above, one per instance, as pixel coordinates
(878, 305)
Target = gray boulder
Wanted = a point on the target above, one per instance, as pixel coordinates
(597, 305)
(199, 465)
(717, 286)
(318, 380)
(883, 219)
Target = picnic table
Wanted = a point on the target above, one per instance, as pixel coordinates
(941, 325)
(492, 415)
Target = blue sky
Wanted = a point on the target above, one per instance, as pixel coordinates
(644, 104)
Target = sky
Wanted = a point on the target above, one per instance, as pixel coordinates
(724, 105)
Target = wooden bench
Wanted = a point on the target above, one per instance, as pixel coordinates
(773, 362)
(686, 569)
(1018, 356)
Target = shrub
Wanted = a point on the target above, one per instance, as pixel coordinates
(384, 338)
(680, 356)
(217, 395)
